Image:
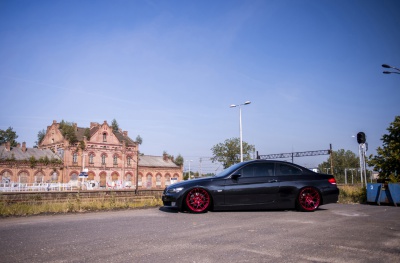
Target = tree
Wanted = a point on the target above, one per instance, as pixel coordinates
(228, 152)
(40, 137)
(387, 160)
(139, 140)
(179, 160)
(87, 133)
(8, 136)
(114, 125)
(68, 131)
(342, 159)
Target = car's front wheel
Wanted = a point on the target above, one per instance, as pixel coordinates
(198, 200)
(308, 199)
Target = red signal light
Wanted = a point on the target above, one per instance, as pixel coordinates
(332, 180)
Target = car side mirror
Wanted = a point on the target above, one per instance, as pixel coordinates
(235, 176)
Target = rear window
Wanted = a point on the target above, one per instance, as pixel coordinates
(286, 169)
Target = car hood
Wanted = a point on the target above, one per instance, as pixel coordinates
(190, 182)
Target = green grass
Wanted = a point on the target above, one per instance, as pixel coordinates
(73, 205)
(350, 194)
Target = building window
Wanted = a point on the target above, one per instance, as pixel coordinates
(91, 158)
(115, 159)
(39, 178)
(103, 159)
(54, 177)
(149, 181)
(74, 178)
(167, 180)
(158, 181)
(75, 158)
(104, 137)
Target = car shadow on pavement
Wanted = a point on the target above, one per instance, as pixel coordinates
(168, 210)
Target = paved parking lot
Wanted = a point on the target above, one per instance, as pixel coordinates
(335, 233)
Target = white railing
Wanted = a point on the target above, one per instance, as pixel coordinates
(72, 185)
(35, 187)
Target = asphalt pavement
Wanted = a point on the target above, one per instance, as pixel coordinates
(334, 233)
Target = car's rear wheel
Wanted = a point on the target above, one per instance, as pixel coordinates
(309, 199)
(198, 200)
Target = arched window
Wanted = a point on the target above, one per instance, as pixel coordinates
(158, 181)
(90, 176)
(74, 157)
(73, 179)
(39, 178)
(167, 180)
(129, 160)
(54, 177)
(91, 156)
(140, 180)
(104, 137)
(115, 159)
(23, 178)
(103, 159)
(149, 181)
(5, 177)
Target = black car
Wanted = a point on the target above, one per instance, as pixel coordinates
(256, 184)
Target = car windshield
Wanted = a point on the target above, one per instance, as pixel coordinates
(229, 170)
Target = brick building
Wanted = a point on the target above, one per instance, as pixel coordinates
(109, 157)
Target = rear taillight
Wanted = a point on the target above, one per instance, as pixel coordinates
(332, 180)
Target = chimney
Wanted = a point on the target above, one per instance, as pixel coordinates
(24, 146)
(93, 124)
(18, 145)
(165, 156)
(125, 133)
(75, 126)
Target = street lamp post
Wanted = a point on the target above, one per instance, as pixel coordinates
(189, 168)
(240, 126)
(390, 72)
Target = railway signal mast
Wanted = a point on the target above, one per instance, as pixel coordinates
(362, 148)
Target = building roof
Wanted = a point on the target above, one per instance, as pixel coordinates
(156, 161)
(122, 138)
(18, 154)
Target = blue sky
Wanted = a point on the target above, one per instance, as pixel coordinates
(168, 71)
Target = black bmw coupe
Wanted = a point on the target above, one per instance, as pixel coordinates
(256, 184)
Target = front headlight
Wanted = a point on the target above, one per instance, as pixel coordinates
(175, 190)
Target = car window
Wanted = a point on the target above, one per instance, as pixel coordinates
(285, 169)
(257, 170)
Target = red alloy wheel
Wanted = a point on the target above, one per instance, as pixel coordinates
(198, 200)
(309, 199)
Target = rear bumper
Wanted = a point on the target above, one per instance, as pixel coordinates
(330, 196)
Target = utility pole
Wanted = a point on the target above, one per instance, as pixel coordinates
(331, 152)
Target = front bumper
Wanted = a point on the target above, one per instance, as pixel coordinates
(170, 201)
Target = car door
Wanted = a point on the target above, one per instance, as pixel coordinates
(291, 179)
(253, 184)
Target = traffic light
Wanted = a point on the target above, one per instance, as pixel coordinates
(361, 138)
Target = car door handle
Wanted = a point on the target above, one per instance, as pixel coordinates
(273, 181)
